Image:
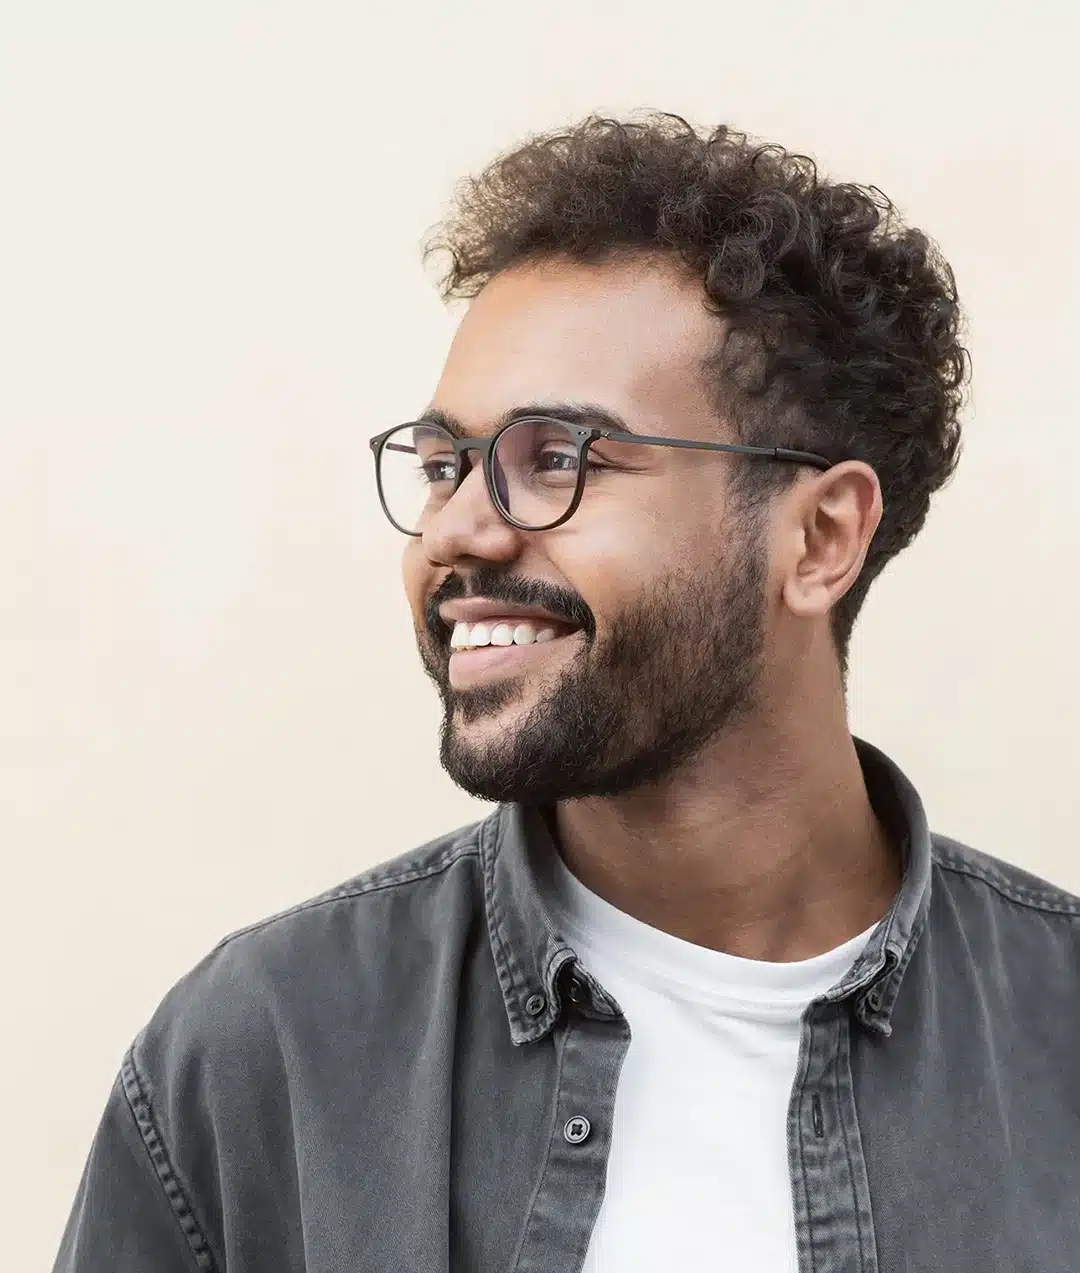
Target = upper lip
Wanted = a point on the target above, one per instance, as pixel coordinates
(477, 609)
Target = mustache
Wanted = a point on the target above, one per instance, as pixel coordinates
(515, 590)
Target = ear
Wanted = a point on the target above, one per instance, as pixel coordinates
(832, 521)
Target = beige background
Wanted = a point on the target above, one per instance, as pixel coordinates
(211, 296)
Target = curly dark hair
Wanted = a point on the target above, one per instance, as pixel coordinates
(843, 323)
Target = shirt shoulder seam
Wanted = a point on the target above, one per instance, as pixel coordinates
(1051, 900)
(370, 882)
(139, 1104)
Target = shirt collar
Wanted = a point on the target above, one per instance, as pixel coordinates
(532, 958)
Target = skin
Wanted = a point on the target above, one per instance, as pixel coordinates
(762, 843)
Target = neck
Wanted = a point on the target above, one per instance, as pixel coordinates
(766, 847)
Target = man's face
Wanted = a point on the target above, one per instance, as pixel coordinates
(659, 577)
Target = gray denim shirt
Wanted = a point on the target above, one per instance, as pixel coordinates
(414, 1073)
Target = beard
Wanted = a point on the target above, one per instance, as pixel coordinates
(676, 670)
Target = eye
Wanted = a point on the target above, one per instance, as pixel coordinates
(437, 470)
(551, 460)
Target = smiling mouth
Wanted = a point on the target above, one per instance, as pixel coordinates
(504, 633)
(479, 651)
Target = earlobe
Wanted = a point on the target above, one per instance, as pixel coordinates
(805, 598)
(837, 517)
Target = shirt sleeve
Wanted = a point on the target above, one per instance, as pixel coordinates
(130, 1214)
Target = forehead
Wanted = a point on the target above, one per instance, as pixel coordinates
(631, 335)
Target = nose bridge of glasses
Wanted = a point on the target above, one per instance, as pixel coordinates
(471, 454)
(472, 461)
(464, 447)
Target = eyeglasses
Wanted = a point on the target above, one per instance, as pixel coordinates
(535, 468)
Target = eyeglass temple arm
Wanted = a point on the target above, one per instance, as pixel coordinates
(767, 452)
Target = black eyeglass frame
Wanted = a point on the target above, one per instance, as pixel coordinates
(584, 437)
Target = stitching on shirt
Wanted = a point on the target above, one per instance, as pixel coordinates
(802, 1148)
(561, 1053)
(893, 983)
(139, 1105)
(491, 894)
(369, 883)
(1052, 900)
(846, 1024)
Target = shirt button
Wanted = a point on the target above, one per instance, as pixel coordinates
(576, 990)
(875, 1000)
(576, 1129)
(535, 1004)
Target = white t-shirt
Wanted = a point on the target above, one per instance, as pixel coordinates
(697, 1177)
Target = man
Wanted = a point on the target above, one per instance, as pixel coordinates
(703, 992)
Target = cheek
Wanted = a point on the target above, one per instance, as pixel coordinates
(650, 528)
(612, 560)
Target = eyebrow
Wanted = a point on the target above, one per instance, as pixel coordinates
(588, 414)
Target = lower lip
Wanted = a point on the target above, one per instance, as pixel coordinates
(471, 667)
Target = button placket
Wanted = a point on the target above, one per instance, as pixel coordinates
(568, 1196)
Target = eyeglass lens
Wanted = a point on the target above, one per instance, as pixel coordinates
(534, 464)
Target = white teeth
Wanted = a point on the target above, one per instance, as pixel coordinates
(470, 636)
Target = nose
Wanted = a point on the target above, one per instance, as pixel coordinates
(469, 527)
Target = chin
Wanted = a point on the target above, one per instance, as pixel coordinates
(487, 710)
